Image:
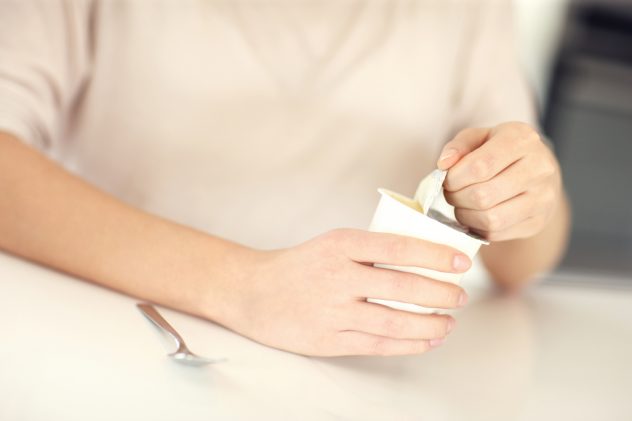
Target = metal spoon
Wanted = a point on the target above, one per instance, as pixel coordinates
(182, 353)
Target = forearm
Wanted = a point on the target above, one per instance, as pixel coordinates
(514, 263)
(52, 217)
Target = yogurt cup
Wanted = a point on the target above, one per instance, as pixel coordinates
(398, 214)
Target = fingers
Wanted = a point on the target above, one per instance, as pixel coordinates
(503, 145)
(499, 217)
(504, 185)
(364, 246)
(463, 143)
(380, 320)
(387, 284)
(360, 343)
(536, 202)
(523, 229)
(483, 163)
(511, 182)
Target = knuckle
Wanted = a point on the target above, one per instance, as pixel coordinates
(323, 245)
(532, 135)
(495, 236)
(521, 126)
(548, 169)
(492, 221)
(480, 168)
(527, 135)
(335, 235)
(482, 197)
(520, 133)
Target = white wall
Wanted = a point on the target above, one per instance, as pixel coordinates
(539, 24)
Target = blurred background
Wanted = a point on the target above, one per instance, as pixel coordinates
(578, 57)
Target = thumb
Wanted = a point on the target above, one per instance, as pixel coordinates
(463, 143)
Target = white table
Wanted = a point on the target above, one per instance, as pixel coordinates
(74, 351)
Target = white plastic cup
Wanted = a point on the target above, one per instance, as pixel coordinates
(395, 215)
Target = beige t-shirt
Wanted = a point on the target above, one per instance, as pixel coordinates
(265, 122)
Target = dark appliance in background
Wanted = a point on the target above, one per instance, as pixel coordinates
(588, 116)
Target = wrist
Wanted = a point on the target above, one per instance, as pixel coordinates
(227, 276)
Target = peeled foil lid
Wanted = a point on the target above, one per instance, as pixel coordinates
(428, 191)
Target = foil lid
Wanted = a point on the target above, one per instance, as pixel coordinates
(430, 197)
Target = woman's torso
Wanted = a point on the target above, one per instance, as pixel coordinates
(266, 122)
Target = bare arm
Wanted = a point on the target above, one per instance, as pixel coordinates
(55, 218)
(306, 299)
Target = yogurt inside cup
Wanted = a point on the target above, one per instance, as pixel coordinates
(398, 214)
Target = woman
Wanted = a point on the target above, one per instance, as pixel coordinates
(191, 146)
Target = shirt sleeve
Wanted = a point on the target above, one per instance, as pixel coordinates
(493, 87)
(44, 60)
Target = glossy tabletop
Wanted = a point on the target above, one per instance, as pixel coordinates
(74, 351)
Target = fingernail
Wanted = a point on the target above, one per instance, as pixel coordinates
(462, 299)
(461, 263)
(450, 325)
(447, 154)
(436, 342)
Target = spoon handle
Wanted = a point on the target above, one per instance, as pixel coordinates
(152, 314)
